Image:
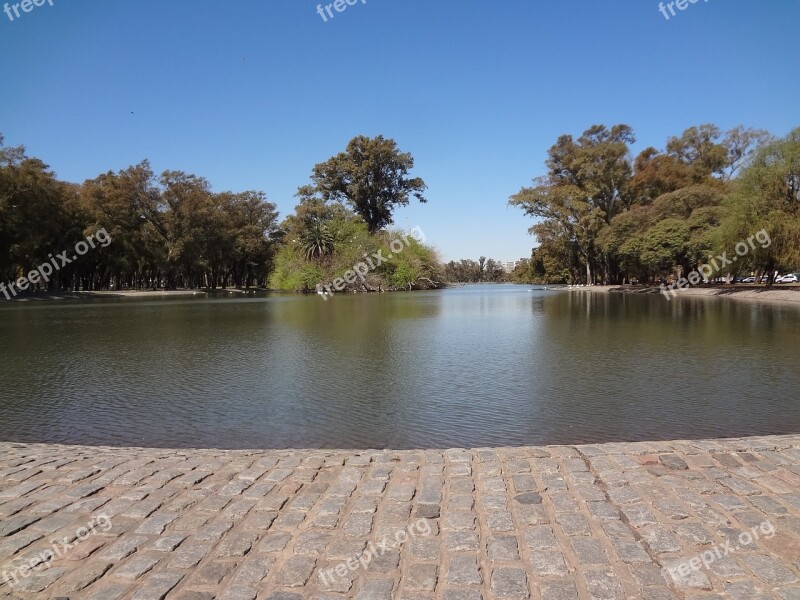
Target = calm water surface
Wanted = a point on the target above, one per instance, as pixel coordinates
(466, 367)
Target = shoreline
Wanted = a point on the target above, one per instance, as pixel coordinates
(789, 296)
(778, 441)
(112, 294)
(85, 295)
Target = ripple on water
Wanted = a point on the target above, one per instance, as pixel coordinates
(470, 367)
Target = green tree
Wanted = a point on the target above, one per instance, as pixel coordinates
(371, 176)
(587, 185)
(766, 198)
(317, 241)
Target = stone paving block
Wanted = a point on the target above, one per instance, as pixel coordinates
(459, 521)
(589, 551)
(496, 502)
(80, 579)
(558, 590)
(649, 575)
(213, 531)
(770, 571)
(189, 555)
(236, 543)
(462, 541)
(36, 582)
(510, 583)
(500, 521)
(681, 575)
(384, 561)
(421, 576)
(15, 524)
(660, 539)
(137, 566)
(243, 592)
(603, 510)
(739, 486)
(111, 591)
(295, 571)
(638, 515)
(503, 547)
(463, 570)
(168, 543)
(631, 552)
(745, 590)
(344, 548)
(564, 502)
(726, 567)
(602, 585)
(84, 549)
(253, 570)
(548, 563)
(540, 537)
(213, 573)
(573, 524)
(123, 548)
(380, 589)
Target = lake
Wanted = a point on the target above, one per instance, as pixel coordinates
(475, 366)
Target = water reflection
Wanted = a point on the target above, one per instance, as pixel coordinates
(473, 366)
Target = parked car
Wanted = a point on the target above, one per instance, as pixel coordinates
(788, 278)
(749, 280)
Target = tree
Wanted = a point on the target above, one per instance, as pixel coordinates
(173, 231)
(587, 185)
(38, 215)
(317, 241)
(371, 177)
(742, 143)
(656, 173)
(253, 228)
(765, 204)
(699, 148)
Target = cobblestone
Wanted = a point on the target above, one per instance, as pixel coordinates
(667, 520)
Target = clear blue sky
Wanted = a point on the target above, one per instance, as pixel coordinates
(251, 93)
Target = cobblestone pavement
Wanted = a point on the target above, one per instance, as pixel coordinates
(556, 523)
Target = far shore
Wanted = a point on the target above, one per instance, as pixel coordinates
(789, 295)
(784, 295)
(80, 295)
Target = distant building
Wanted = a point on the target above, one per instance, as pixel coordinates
(508, 265)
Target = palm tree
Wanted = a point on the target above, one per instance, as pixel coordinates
(317, 241)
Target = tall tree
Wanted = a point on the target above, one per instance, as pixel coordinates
(765, 204)
(371, 176)
(587, 185)
(700, 148)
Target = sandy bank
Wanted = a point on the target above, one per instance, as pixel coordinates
(784, 295)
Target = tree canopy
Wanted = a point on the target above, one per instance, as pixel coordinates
(370, 177)
(603, 216)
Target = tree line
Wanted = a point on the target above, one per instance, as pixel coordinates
(168, 231)
(173, 231)
(484, 270)
(603, 216)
